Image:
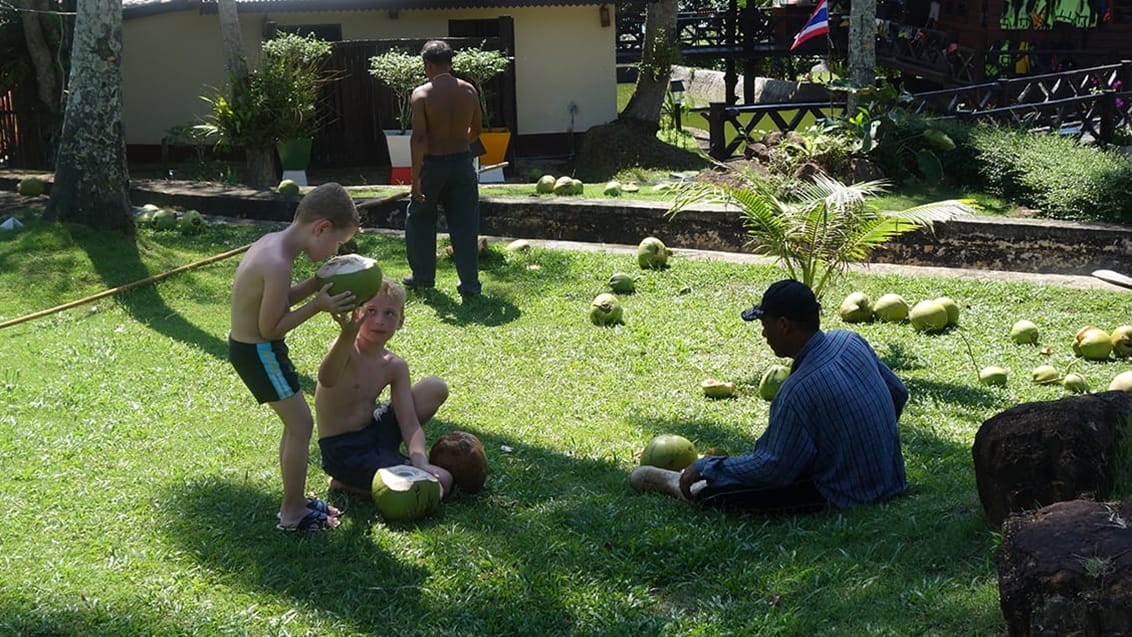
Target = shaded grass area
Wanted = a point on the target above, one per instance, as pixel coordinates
(146, 478)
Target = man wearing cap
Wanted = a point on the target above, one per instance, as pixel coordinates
(831, 441)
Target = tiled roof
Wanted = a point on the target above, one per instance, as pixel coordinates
(135, 8)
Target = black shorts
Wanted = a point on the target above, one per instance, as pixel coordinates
(354, 457)
(265, 368)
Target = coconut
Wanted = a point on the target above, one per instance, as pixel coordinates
(856, 308)
(1075, 383)
(563, 186)
(192, 222)
(622, 283)
(605, 309)
(928, 317)
(288, 187)
(519, 245)
(891, 308)
(461, 453)
(952, 309)
(717, 388)
(992, 375)
(1024, 333)
(1045, 375)
(1122, 341)
(578, 188)
(772, 380)
(651, 253)
(669, 451)
(351, 273)
(31, 187)
(164, 219)
(612, 189)
(1122, 382)
(1092, 343)
(545, 185)
(405, 492)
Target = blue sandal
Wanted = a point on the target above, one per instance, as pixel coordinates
(312, 521)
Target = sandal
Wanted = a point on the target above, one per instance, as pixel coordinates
(322, 506)
(312, 521)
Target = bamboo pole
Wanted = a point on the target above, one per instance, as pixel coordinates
(122, 288)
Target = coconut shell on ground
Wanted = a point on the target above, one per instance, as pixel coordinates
(462, 455)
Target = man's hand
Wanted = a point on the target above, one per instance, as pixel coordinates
(336, 304)
(689, 476)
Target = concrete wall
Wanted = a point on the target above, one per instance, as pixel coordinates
(562, 55)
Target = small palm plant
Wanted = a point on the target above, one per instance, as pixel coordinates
(826, 227)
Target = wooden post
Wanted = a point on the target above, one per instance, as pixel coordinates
(716, 141)
(1106, 104)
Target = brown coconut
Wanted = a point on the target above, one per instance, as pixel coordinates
(462, 455)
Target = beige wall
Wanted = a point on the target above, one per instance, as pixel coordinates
(563, 56)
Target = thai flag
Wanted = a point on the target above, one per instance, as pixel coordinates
(818, 24)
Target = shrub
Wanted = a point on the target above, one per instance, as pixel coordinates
(1056, 174)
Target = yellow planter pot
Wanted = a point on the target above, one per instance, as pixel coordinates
(495, 141)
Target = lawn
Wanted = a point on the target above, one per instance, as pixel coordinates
(141, 480)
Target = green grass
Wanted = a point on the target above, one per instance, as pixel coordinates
(141, 480)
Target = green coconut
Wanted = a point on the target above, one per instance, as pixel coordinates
(1122, 382)
(928, 317)
(713, 388)
(1075, 383)
(612, 189)
(1024, 332)
(519, 245)
(669, 451)
(545, 185)
(891, 308)
(605, 309)
(952, 309)
(992, 375)
(164, 219)
(563, 186)
(622, 283)
(192, 222)
(404, 492)
(856, 308)
(31, 187)
(772, 380)
(461, 453)
(351, 273)
(1045, 375)
(1122, 341)
(1092, 343)
(652, 253)
(578, 188)
(288, 187)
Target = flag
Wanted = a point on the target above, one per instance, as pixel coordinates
(818, 24)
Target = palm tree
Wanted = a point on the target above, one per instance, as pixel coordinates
(827, 226)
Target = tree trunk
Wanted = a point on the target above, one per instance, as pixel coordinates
(261, 170)
(234, 61)
(862, 47)
(46, 30)
(659, 52)
(91, 178)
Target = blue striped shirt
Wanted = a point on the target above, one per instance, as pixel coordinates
(833, 421)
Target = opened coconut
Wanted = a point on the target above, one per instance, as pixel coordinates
(652, 253)
(462, 455)
(669, 451)
(717, 388)
(351, 273)
(404, 492)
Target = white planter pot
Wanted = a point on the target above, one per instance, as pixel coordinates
(400, 155)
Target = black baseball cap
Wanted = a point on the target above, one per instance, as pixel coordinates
(787, 298)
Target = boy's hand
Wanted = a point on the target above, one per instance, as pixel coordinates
(346, 321)
(336, 304)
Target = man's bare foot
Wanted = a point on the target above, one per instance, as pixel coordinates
(338, 485)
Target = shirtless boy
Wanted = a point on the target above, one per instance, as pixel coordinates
(355, 438)
(263, 312)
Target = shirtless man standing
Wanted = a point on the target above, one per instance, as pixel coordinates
(446, 119)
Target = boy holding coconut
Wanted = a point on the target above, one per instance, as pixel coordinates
(355, 438)
(262, 314)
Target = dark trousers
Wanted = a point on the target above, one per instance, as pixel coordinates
(448, 182)
(797, 498)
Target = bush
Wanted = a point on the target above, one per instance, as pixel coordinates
(1056, 174)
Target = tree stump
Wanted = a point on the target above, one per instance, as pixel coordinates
(1066, 569)
(1039, 453)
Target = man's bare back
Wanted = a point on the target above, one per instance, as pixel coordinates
(451, 106)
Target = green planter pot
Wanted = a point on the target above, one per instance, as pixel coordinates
(295, 154)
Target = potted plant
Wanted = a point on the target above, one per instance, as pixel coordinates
(402, 72)
(274, 107)
(479, 66)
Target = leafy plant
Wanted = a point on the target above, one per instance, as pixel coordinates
(480, 65)
(402, 72)
(829, 226)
